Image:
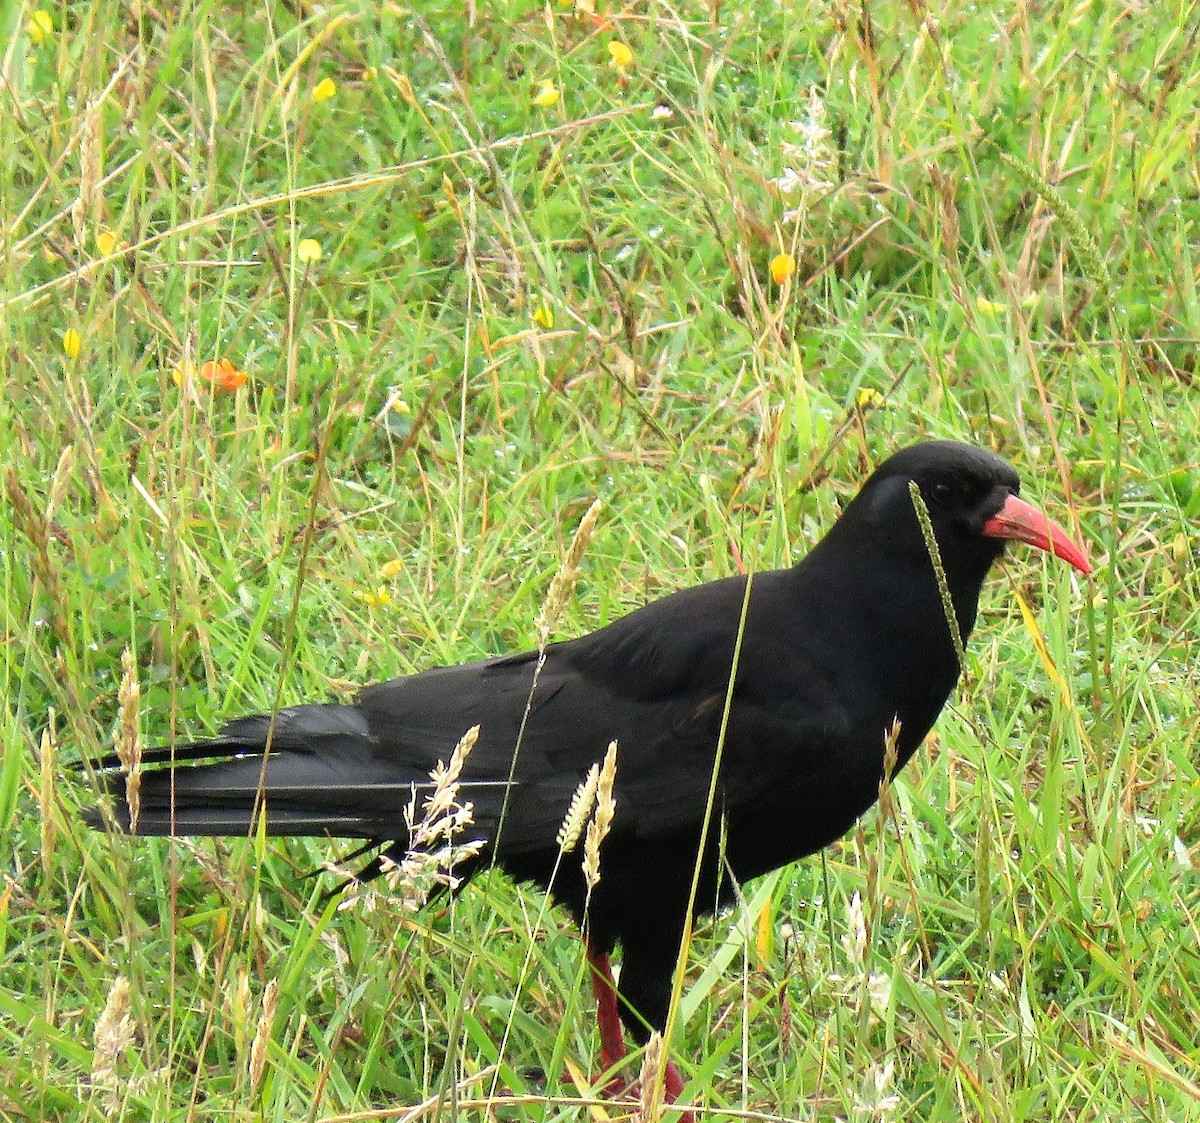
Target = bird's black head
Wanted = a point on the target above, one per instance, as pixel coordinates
(972, 496)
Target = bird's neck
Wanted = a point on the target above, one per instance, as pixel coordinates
(896, 580)
(893, 616)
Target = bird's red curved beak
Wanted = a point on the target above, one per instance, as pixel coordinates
(1022, 523)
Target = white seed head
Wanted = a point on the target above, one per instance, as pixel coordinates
(562, 586)
(598, 828)
(113, 1033)
(578, 811)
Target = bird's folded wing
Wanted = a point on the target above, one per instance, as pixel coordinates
(544, 724)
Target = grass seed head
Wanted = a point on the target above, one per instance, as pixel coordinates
(891, 754)
(433, 828)
(113, 1033)
(36, 528)
(46, 793)
(854, 939)
(875, 1101)
(1087, 250)
(578, 811)
(88, 209)
(262, 1033)
(128, 740)
(598, 828)
(811, 161)
(649, 1108)
(562, 586)
(935, 556)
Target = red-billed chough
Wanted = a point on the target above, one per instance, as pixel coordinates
(853, 638)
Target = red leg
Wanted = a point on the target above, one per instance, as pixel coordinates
(612, 1035)
(673, 1087)
(604, 987)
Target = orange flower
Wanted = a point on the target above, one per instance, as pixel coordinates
(783, 266)
(224, 375)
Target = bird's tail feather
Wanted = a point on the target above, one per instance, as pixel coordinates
(318, 778)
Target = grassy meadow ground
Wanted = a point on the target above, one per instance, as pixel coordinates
(322, 327)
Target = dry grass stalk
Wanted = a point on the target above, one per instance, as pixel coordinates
(60, 480)
(891, 754)
(127, 739)
(650, 1082)
(113, 1034)
(262, 1034)
(89, 206)
(578, 812)
(36, 529)
(601, 822)
(46, 792)
(563, 585)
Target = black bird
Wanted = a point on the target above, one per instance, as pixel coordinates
(834, 651)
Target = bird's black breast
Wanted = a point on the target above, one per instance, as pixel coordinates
(830, 655)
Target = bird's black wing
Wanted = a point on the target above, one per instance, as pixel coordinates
(655, 682)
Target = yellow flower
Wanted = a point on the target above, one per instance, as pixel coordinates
(622, 56)
(106, 242)
(547, 94)
(543, 316)
(324, 89)
(783, 266)
(72, 343)
(40, 27)
(377, 599)
(990, 307)
(391, 569)
(309, 250)
(869, 399)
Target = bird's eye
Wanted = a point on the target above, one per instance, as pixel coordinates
(942, 493)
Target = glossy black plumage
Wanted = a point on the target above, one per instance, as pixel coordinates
(834, 650)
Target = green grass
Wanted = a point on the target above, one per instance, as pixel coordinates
(1007, 249)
